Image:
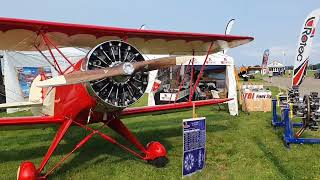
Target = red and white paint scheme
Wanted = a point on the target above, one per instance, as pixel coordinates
(100, 87)
(304, 47)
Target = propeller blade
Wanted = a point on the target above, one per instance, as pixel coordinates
(123, 69)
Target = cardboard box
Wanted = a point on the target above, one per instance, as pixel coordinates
(253, 105)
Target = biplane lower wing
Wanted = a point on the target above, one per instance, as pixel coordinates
(168, 107)
(31, 120)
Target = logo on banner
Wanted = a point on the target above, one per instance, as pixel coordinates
(308, 32)
(304, 47)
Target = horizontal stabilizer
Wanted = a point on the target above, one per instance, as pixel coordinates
(19, 104)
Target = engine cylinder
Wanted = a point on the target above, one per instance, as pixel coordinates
(120, 91)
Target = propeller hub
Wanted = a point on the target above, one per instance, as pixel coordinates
(128, 68)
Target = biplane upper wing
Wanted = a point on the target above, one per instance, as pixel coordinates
(24, 35)
(13, 121)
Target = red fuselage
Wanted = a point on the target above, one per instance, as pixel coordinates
(74, 102)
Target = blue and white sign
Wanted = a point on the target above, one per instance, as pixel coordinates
(194, 145)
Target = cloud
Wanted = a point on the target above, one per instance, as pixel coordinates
(283, 53)
(315, 49)
(287, 54)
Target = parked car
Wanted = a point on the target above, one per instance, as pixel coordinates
(317, 74)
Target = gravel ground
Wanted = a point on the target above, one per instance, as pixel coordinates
(308, 85)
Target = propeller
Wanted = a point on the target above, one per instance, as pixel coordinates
(124, 69)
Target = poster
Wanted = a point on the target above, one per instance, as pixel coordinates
(27, 74)
(194, 145)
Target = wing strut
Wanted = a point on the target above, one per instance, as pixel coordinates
(51, 53)
(200, 74)
(55, 64)
(48, 41)
(191, 78)
(47, 59)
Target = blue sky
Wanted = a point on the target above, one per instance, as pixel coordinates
(275, 24)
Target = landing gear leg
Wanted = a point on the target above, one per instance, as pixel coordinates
(155, 153)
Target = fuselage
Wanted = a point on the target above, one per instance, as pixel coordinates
(74, 102)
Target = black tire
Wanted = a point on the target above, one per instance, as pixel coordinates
(159, 162)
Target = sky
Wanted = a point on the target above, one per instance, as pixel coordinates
(275, 24)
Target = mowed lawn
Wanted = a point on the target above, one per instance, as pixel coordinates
(243, 147)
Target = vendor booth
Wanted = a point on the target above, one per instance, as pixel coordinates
(20, 68)
(174, 84)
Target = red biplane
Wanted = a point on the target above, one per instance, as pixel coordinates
(100, 87)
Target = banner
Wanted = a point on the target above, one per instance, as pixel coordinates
(229, 26)
(304, 47)
(194, 144)
(265, 58)
(26, 76)
(228, 30)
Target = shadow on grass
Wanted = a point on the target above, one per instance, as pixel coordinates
(273, 159)
(26, 140)
(96, 146)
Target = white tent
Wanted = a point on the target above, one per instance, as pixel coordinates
(217, 59)
(13, 60)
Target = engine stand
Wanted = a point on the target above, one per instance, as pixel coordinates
(289, 136)
(275, 120)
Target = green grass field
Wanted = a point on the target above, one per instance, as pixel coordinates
(243, 147)
(310, 73)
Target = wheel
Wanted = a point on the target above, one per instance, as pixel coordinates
(156, 154)
(159, 162)
(27, 171)
(306, 111)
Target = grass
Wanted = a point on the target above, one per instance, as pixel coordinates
(242, 147)
(258, 79)
(310, 73)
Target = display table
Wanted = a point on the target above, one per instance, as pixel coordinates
(255, 98)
